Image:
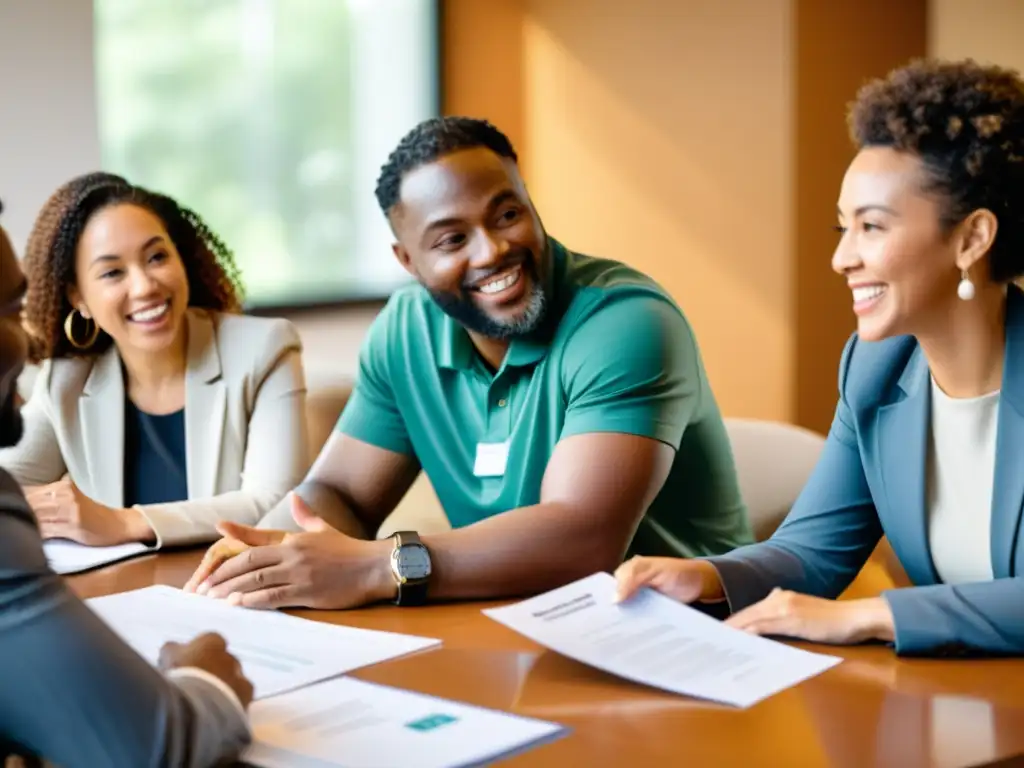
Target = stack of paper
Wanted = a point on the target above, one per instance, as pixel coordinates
(66, 557)
(351, 723)
(654, 640)
(307, 717)
(278, 652)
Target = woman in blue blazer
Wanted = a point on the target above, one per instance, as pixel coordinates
(927, 442)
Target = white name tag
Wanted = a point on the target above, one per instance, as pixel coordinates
(491, 459)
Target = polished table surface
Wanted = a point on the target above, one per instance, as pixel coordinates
(873, 709)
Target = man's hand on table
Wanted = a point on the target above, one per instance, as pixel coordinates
(209, 653)
(319, 567)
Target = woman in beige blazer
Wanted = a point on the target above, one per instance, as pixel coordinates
(158, 410)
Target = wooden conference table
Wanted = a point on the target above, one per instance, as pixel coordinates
(873, 709)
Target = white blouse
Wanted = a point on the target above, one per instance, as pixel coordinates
(961, 471)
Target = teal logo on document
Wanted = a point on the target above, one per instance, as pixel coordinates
(430, 722)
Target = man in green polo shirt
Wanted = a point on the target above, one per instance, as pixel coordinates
(557, 402)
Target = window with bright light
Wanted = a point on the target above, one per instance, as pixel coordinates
(271, 119)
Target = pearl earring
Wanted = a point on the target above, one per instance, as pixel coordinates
(965, 290)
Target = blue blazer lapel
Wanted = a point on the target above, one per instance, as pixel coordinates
(1008, 483)
(903, 433)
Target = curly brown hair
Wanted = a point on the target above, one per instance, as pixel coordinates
(213, 279)
(966, 123)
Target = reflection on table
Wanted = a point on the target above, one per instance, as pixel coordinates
(873, 709)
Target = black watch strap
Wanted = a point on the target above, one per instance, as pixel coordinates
(411, 592)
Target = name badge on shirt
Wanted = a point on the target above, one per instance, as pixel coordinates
(491, 459)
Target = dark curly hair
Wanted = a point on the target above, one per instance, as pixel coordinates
(430, 140)
(213, 278)
(966, 123)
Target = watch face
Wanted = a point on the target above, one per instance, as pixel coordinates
(413, 562)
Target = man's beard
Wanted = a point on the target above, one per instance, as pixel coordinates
(472, 318)
(11, 424)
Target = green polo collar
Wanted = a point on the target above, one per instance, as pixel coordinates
(455, 349)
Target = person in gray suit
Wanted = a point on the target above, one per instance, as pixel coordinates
(71, 692)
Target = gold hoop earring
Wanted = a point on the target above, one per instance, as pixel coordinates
(69, 331)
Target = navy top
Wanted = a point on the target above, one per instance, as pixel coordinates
(154, 448)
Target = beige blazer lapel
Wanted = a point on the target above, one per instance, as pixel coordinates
(102, 415)
(205, 407)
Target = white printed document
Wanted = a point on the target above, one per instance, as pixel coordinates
(654, 640)
(67, 557)
(351, 723)
(278, 652)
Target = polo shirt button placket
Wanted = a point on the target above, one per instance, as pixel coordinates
(503, 416)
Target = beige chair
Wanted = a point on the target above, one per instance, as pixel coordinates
(774, 461)
(419, 509)
(325, 400)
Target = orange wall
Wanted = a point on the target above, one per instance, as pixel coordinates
(482, 69)
(634, 154)
(838, 45)
(631, 153)
(671, 136)
(991, 31)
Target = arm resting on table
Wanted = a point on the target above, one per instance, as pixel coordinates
(626, 411)
(595, 491)
(985, 617)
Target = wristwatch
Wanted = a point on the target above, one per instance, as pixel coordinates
(410, 564)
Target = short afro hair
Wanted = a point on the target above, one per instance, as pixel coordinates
(965, 121)
(433, 139)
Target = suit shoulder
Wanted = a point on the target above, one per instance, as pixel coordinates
(869, 369)
(254, 344)
(273, 334)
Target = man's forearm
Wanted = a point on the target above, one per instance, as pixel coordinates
(330, 505)
(523, 551)
(327, 503)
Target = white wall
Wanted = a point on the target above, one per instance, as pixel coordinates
(48, 130)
